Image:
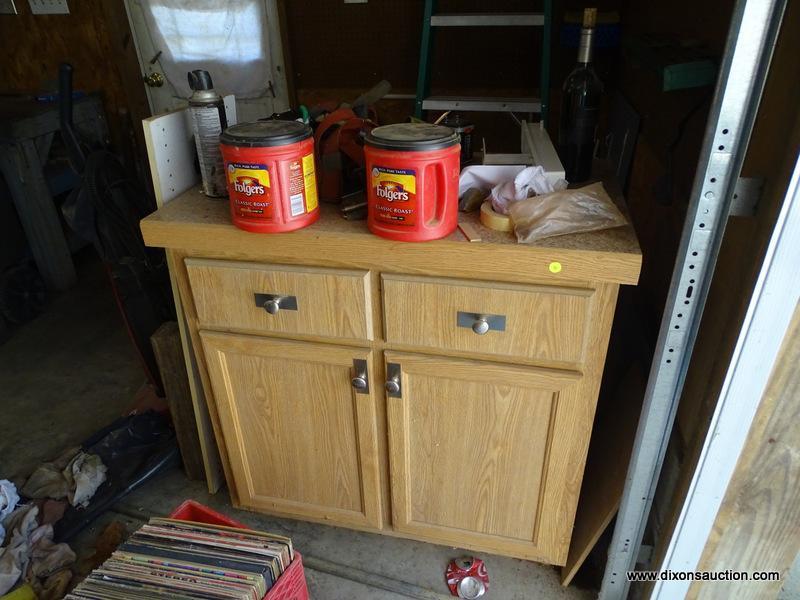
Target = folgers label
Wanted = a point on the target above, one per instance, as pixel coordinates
(395, 195)
(248, 185)
(302, 186)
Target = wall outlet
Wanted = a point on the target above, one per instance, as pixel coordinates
(49, 7)
(7, 7)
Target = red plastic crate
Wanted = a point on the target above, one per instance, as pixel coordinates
(291, 585)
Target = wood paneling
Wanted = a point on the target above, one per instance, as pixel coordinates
(330, 302)
(300, 440)
(542, 323)
(474, 454)
(757, 527)
(95, 38)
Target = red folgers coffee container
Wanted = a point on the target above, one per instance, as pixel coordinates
(412, 181)
(269, 168)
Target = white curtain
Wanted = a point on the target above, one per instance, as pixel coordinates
(227, 38)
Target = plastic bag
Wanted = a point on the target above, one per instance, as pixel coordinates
(529, 181)
(569, 211)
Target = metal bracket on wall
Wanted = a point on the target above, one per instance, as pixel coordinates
(751, 38)
(746, 196)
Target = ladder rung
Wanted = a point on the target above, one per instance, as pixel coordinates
(488, 20)
(529, 105)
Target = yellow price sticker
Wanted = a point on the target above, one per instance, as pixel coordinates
(555, 267)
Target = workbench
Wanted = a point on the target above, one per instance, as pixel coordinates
(27, 130)
(443, 391)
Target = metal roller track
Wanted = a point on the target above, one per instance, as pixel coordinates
(751, 39)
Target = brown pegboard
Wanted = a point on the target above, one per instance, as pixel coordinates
(338, 45)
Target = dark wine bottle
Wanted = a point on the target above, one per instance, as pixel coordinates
(580, 107)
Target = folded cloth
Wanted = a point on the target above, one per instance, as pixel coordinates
(31, 554)
(14, 558)
(74, 475)
(85, 473)
(48, 480)
(22, 521)
(47, 557)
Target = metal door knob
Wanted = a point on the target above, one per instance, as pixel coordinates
(273, 306)
(392, 385)
(154, 79)
(480, 326)
(359, 382)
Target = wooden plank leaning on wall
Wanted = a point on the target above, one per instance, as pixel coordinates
(170, 150)
(757, 527)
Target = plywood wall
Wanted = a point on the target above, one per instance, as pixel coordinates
(96, 40)
(757, 527)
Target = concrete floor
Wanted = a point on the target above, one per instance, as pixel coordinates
(72, 370)
(65, 374)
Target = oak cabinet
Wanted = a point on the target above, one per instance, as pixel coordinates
(442, 391)
(302, 440)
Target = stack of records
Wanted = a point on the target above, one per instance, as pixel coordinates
(168, 558)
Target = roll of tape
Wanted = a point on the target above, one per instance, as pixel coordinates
(494, 220)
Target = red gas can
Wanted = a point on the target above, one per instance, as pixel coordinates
(412, 181)
(269, 167)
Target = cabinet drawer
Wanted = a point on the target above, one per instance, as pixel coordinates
(282, 299)
(533, 322)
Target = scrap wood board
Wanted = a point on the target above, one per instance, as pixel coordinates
(171, 152)
(606, 468)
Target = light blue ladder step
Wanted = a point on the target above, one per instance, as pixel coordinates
(525, 105)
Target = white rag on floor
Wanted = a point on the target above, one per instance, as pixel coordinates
(8, 501)
(14, 558)
(31, 552)
(75, 475)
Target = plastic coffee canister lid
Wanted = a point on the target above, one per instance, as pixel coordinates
(261, 134)
(412, 137)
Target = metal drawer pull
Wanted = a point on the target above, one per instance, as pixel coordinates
(480, 323)
(360, 380)
(393, 386)
(272, 303)
(480, 326)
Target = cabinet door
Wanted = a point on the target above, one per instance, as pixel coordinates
(301, 438)
(480, 454)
